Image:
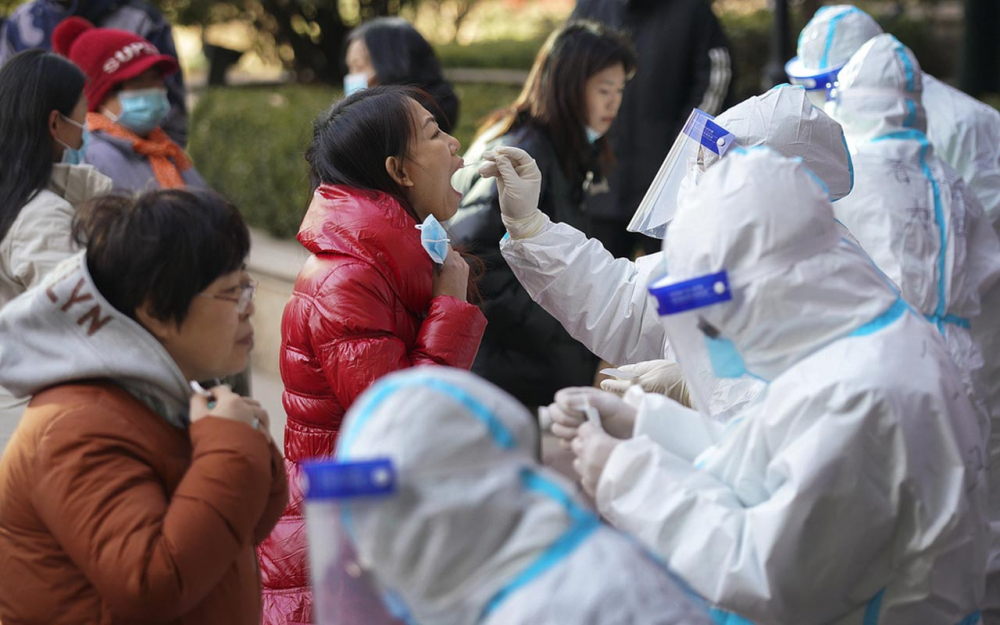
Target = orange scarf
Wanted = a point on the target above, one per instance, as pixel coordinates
(166, 158)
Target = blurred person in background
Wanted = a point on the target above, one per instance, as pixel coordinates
(382, 291)
(127, 104)
(567, 105)
(125, 497)
(390, 51)
(683, 63)
(43, 137)
(31, 25)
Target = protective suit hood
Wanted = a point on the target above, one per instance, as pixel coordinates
(830, 38)
(880, 91)
(474, 512)
(785, 120)
(766, 220)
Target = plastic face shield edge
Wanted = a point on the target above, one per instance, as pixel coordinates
(819, 84)
(700, 143)
(682, 307)
(345, 589)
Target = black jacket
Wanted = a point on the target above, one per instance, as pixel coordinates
(683, 63)
(524, 350)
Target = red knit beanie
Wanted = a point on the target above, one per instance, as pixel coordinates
(107, 56)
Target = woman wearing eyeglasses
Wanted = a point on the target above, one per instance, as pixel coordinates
(125, 496)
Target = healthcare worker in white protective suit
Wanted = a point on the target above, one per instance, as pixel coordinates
(913, 215)
(854, 490)
(602, 301)
(477, 530)
(965, 133)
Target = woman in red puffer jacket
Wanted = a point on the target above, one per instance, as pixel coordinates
(370, 300)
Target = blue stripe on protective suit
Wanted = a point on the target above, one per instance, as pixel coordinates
(874, 610)
(939, 314)
(584, 524)
(907, 66)
(825, 60)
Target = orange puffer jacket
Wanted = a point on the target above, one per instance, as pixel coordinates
(108, 514)
(362, 307)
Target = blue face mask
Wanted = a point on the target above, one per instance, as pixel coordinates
(725, 358)
(354, 83)
(142, 109)
(74, 156)
(434, 238)
(592, 135)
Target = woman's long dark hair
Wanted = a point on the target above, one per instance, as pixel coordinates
(32, 85)
(399, 53)
(352, 140)
(401, 56)
(554, 96)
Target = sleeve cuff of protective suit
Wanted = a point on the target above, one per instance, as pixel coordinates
(681, 431)
(525, 227)
(634, 472)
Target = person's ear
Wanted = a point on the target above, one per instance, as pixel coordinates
(163, 330)
(53, 122)
(397, 171)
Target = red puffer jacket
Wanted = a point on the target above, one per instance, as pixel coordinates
(362, 307)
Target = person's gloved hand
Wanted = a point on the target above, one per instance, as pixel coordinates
(592, 448)
(568, 412)
(655, 376)
(519, 185)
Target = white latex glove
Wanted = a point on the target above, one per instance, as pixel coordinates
(654, 376)
(568, 412)
(592, 448)
(519, 183)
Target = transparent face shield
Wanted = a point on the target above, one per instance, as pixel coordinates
(700, 144)
(705, 355)
(345, 590)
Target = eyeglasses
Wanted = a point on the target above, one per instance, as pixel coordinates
(247, 292)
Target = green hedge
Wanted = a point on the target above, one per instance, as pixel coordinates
(249, 144)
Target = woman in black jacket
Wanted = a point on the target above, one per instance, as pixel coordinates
(567, 105)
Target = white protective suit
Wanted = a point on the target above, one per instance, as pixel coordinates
(909, 210)
(602, 301)
(912, 214)
(854, 489)
(965, 133)
(478, 531)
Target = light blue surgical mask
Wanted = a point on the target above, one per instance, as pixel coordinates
(592, 135)
(354, 83)
(434, 238)
(74, 156)
(725, 358)
(142, 109)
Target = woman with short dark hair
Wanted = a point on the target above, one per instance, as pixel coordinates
(125, 497)
(569, 101)
(42, 141)
(390, 51)
(378, 294)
